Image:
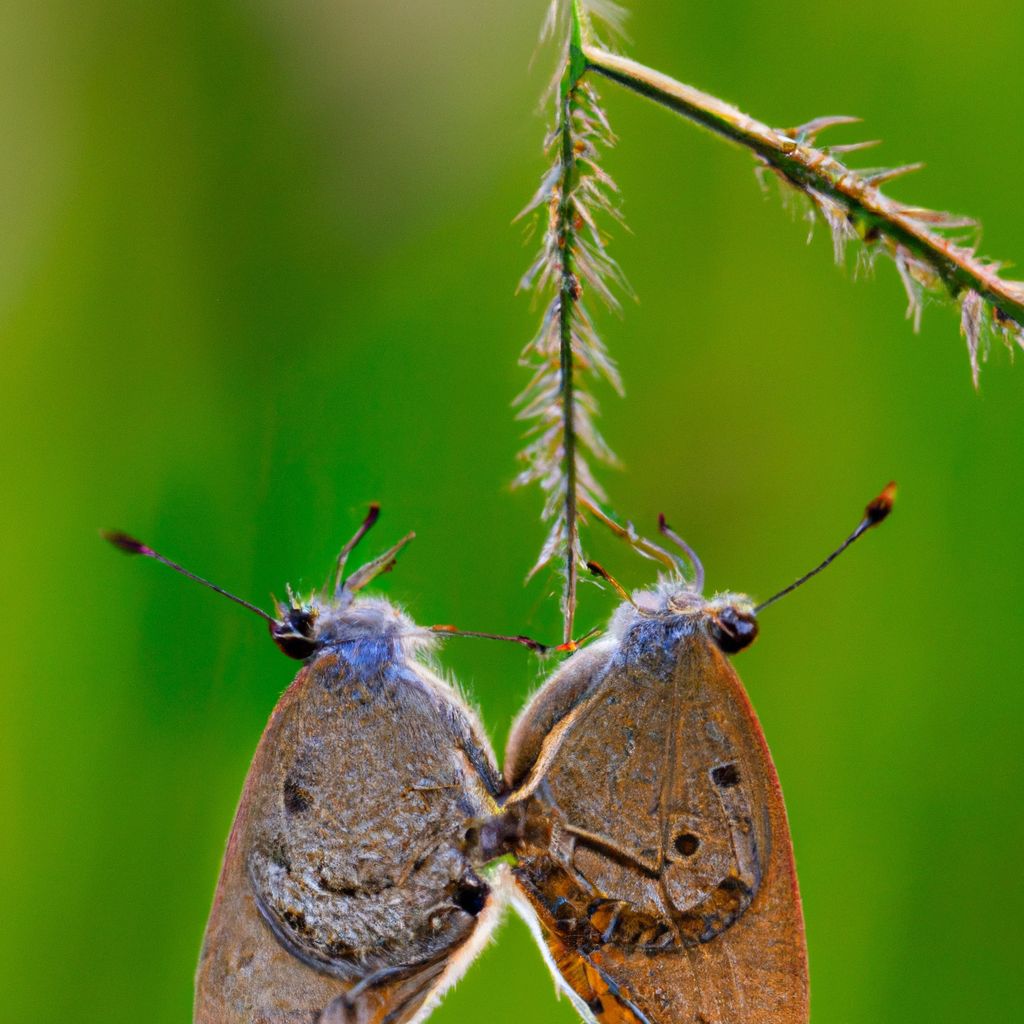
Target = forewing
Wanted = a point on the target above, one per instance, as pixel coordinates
(606, 773)
(667, 769)
(347, 893)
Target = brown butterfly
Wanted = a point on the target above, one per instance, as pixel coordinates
(352, 889)
(653, 850)
(639, 799)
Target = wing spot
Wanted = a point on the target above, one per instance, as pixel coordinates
(471, 895)
(297, 798)
(725, 776)
(687, 844)
(295, 919)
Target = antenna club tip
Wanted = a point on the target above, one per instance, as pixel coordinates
(880, 508)
(596, 569)
(662, 522)
(125, 542)
(534, 645)
(373, 513)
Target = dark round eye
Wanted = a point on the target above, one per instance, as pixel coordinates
(294, 634)
(733, 630)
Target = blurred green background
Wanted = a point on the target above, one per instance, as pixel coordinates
(257, 269)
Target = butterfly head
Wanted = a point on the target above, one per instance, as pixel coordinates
(295, 630)
(732, 622)
(337, 615)
(729, 618)
(302, 629)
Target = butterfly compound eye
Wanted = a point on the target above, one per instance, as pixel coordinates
(733, 629)
(294, 634)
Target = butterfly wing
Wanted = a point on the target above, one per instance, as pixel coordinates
(656, 859)
(347, 892)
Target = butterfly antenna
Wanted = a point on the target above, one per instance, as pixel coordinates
(130, 546)
(602, 573)
(698, 566)
(641, 545)
(877, 511)
(369, 572)
(523, 641)
(367, 524)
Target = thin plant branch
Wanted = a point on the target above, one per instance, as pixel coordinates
(574, 196)
(927, 256)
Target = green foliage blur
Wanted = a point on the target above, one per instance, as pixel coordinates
(258, 268)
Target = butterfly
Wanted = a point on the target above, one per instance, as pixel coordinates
(653, 850)
(639, 802)
(353, 887)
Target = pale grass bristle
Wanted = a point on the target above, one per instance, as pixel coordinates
(610, 15)
(574, 243)
(981, 319)
(935, 252)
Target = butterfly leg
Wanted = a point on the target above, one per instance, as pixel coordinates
(388, 996)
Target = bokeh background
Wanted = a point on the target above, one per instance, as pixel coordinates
(258, 268)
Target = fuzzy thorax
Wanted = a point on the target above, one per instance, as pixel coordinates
(367, 619)
(672, 597)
